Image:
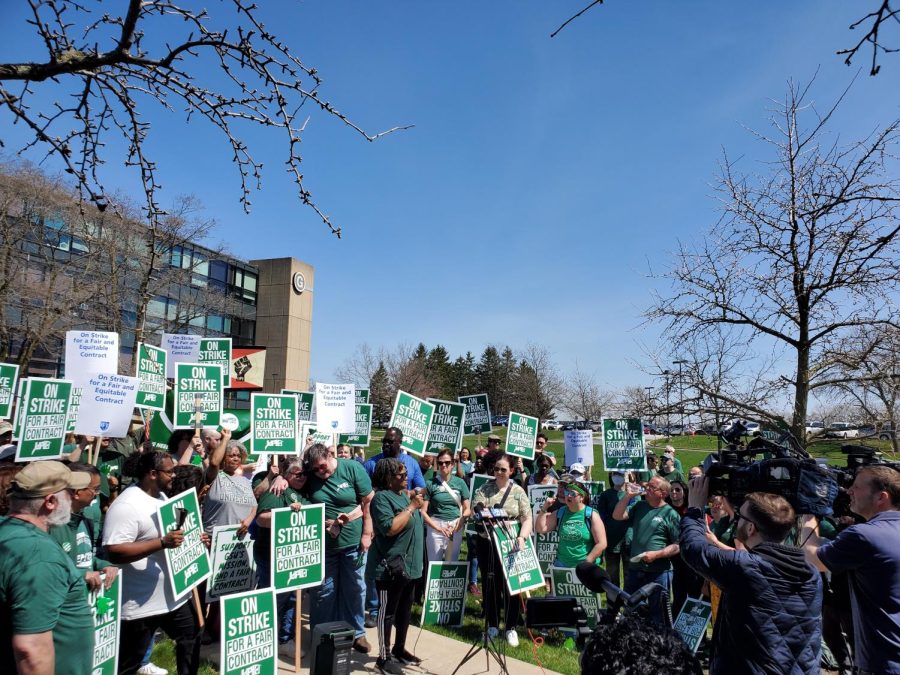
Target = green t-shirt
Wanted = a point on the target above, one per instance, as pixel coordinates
(268, 501)
(575, 538)
(78, 540)
(653, 530)
(342, 492)
(41, 590)
(672, 476)
(408, 542)
(441, 504)
(724, 530)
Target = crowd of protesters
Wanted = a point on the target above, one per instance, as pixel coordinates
(69, 527)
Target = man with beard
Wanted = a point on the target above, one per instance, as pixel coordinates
(390, 447)
(770, 618)
(45, 621)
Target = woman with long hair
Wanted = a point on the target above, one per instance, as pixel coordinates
(582, 536)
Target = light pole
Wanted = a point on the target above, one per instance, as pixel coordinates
(680, 363)
(666, 374)
(650, 402)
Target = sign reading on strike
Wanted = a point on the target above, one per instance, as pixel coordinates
(273, 424)
(198, 384)
(233, 567)
(547, 543)
(217, 351)
(623, 444)
(74, 408)
(363, 433)
(446, 426)
(41, 419)
(478, 413)
(522, 435)
(105, 604)
(108, 405)
(248, 634)
(298, 547)
(692, 622)
(362, 396)
(179, 349)
(189, 563)
(445, 594)
(565, 582)
(305, 402)
(151, 371)
(521, 568)
(413, 417)
(9, 374)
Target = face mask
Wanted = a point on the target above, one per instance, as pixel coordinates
(618, 480)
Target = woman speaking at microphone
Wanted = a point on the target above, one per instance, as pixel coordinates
(501, 493)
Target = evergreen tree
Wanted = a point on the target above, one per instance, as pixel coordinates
(380, 394)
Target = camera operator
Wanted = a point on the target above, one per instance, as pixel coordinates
(769, 619)
(870, 553)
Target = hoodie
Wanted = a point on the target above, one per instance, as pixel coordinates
(769, 619)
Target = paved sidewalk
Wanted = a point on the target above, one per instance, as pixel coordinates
(441, 656)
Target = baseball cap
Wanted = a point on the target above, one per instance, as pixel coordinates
(577, 469)
(493, 437)
(5, 427)
(39, 479)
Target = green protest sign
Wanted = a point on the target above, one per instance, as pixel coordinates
(298, 547)
(9, 374)
(74, 407)
(189, 563)
(363, 427)
(413, 417)
(445, 594)
(596, 488)
(692, 622)
(565, 582)
(105, 604)
(623, 444)
(217, 351)
(362, 396)
(233, 567)
(521, 568)
(446, 426)
(478, 413)
(522, 435)
(547, 543)
(42, 416)
(305, 402)
(475, 483)
(151, 371)
(273, 424)
(249, 636)
(198, 386)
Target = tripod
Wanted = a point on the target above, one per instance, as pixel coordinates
(486, 642)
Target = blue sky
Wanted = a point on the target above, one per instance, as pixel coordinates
(544, 177)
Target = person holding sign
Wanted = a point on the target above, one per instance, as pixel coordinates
(446, 510)
(501, 493)
(134, 541)
(46, 621)
(396, 561)
(582, 536)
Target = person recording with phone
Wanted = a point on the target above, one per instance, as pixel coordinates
(501, 493)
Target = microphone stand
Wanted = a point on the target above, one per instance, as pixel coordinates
(486, 642)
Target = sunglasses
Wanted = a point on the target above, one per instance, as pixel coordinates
(570, 493)
(500, 469)
(446, 463)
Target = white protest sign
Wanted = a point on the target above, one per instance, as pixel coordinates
(233, 566)
(336, 408)
(89, 352)
(107, 402)
(180, 349)
(579, 447)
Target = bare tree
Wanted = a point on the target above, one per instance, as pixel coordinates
(106, 68)
(360, 366)
(537, 386)
(584, 398)
(802, 255)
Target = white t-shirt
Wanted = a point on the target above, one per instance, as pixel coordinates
(145, 588)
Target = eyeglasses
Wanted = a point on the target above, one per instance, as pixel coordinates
(738, 516)
(446, 463)
(402, 474)
(541, 443)
(655, 488)
(321, 467)
(168, 472)
(500, 469)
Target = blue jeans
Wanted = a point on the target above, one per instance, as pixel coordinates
(342, 595)
(283, 601)
(472, 558)
(635, 578)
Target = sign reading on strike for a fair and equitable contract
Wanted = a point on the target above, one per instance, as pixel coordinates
(273, 423)
(336, 408)
(478, 413)
(198, 384)
(623, 444)
(521, 437)
(413, 417)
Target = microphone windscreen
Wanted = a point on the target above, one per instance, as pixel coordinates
(592, 576)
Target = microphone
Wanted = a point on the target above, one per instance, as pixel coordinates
(643, 593)
(598, 580)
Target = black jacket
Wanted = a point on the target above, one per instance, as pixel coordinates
(769, 619)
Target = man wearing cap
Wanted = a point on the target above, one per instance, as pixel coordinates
(45, 621)
(135, 541)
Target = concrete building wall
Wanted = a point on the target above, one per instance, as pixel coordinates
(284, 321)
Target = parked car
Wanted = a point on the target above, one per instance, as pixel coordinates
(882, 432)
(500, 421)
(552, 425)
(817, 427)
(841, 430)
(752, 427)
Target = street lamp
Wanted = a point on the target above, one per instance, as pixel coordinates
(666, 374)
(680, 363)
(650, 402)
